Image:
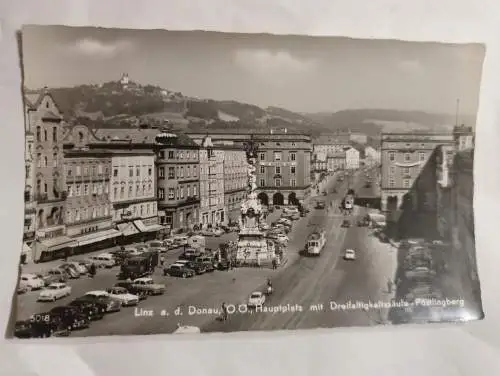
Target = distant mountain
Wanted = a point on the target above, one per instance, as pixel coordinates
(374, 121)
(113, 104)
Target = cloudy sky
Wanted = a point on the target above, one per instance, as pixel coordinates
(303, 74)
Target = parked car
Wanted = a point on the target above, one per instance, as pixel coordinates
(346, 223)
(197, 267)
(178, 270)
(282, 238)
(79, 266)
(208, 262)
(41, 329)
(58, 275)
(92, 310)
(104, 260)
(157, 244)
(31, 282)
(54, 291)
(69, 317)
(295, 216)
(112, 305)
(218, 232)
(127, 299)
(190, 254)
(147, 284)
(129, 286)
(256, 299)
(320, 205)
(70, 269)
(419, 272)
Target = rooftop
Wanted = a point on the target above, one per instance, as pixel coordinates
(332, 139)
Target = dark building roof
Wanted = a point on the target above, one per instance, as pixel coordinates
(333, 139)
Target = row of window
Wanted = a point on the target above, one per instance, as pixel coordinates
(131, 171)
(179, 193)
(137, 210)
(278, 169)
(178, 172)
(85, 214)
(75, 190)
(278, 182)
(407, 156)
(406, 183)
(44, 136)
(404, 170)
(278, 156)
(43, 160)
(94, 170)
(140, 190)
(179, 154)
(212, 201)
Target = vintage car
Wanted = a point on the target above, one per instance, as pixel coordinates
(54, 291)
(127, 299)
(31, 282)
(256, 299)
(112, 304)
(92, 310)
(129, 286)
(40, 329)
(67, 316)
(147, 284)
(178, 270)
(350, 255)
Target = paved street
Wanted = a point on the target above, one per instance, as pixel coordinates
(302, 281)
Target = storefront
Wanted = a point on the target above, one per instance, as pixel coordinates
(95, 241)
(52, 248)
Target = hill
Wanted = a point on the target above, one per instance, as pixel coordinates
(373, 121)
(112, 104)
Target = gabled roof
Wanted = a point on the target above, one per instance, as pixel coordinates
(34, 98)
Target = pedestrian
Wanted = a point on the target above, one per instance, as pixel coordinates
(162, 260)
(389, 285)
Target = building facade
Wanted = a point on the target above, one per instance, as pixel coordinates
(235, 181)
(372, 156)
(336, 161)
(133, 191)
(283, 168)
(29, 182)
(46, 120)
(283, 165)
(464, 137)
(212, 207)
(352, 159)
(88, 216)
(331, 143)
(403, 156)
(178, 177)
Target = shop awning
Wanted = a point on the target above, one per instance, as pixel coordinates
(54, 244)
(127, 229)
(143, 228)
(97, 237)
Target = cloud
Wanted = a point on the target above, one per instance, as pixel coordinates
(410, 66)
(274, 66)
(94, 48)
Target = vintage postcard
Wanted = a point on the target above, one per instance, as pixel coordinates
(194, 182)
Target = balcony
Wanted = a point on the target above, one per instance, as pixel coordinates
(44, 197)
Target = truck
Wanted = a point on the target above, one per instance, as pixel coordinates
(315, 243)
(139, 266)
(197, 242)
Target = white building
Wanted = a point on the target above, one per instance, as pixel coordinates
(351, 159)
(133, 197)
(212, 208)
(372, 156)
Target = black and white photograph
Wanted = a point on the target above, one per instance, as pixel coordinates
(191, 182)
